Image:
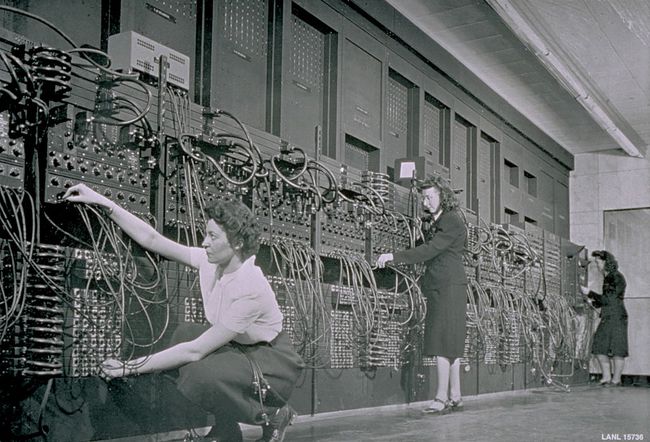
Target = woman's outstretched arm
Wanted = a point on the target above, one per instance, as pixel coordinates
(141, 232)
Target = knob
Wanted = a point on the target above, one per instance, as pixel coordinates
(109, 174)
(55, 182)
(70, 166)
(108, 192)
(120, 196)
(14, 172)
(96, 171)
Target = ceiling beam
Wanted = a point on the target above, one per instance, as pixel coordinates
(556, 62)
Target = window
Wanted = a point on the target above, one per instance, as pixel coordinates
(510, 216)
(531, 221)
(531, 183)
(512, 172)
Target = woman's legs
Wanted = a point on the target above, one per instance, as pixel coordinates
(448, 380)
(443, 378)
(454, 381)
(441, 399)
(605, 368)
(619, 363)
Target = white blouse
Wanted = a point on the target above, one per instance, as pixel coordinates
(241, 301)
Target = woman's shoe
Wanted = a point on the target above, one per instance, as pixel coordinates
(456, 405)
(446, 408)
(604, 383)
(277, 427)
(615, 384)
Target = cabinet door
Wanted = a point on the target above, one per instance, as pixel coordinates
(239, 59)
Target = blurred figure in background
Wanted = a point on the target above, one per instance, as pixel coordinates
(610, 340)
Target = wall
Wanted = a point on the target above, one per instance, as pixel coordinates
(604, 182)
(610, 181)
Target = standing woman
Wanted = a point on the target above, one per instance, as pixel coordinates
(444, 285)
(243, 340)
(610, 339)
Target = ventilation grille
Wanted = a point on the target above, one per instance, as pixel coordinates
(307, 54)
(397, 117)
(246, 24)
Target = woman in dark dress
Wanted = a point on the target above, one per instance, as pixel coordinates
(444, 286)
(610, 339)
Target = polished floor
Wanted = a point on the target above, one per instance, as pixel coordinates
(586, 413)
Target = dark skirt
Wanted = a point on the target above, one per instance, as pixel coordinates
(444, 329)
(222, 382)
(610, 338)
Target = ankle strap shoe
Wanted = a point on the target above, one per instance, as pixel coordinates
(456, 405)
(277, 427)
(446, 408)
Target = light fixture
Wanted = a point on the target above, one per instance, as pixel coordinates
(559, 69)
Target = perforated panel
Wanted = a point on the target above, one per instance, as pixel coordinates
(182, 8)
(397, 115)
(78, 19)
(431, 118)
(7, 21)
(459, 160)
(356, 157)
(397, 119)
(307, 53)
(239, 59)
(485, 189)
(304, 91)
(243, 20)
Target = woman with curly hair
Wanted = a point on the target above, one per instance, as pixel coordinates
(243, 339)
(610, 339)
(444, 285)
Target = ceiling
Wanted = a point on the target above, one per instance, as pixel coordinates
(578, 69)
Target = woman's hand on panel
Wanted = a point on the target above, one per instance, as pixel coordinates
(383, 259)
(80, 193)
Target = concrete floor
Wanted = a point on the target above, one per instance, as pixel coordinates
(586, 413)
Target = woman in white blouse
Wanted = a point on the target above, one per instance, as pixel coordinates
(244, 338)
